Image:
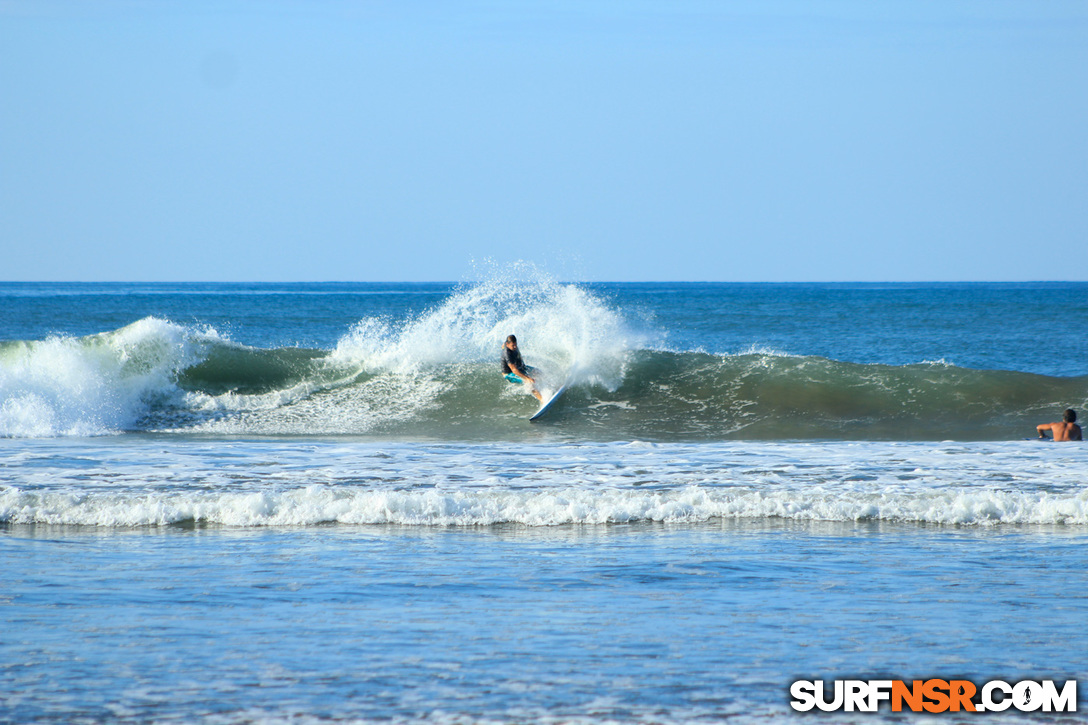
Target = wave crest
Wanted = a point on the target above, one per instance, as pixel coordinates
(561, 327)
(94, 385)
(316, 505)
(436, 375)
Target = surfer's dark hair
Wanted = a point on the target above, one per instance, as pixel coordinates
(1070, 415)
(512, 338)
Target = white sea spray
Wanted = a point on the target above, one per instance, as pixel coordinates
(101, 384)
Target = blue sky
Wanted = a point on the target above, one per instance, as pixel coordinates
(382, 141)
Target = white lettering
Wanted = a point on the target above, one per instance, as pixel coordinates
(997, 705)
(1027, 696)
(856, 696)
(879, 690)
(804, 698)
(834, 704)
(1066, 701)
(994, 696)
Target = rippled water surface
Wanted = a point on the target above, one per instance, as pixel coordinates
(322, 503)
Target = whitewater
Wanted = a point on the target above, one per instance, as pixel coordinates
(234, 503)
(260, 483)
(431, 373)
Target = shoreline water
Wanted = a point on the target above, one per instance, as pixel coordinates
(625, 623)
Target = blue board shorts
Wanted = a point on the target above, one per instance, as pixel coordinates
(515, 379)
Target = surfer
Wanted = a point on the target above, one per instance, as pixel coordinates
(515, 369)
(1067, 430)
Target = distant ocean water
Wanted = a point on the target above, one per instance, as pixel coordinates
(322, 502)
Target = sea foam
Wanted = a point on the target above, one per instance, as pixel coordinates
(65, 386)
(304, 484)
(314, 505)
(562, 329)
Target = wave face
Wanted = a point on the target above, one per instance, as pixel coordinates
(435, 375)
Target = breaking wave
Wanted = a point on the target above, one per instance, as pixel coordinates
(314, 505)
(436, 376)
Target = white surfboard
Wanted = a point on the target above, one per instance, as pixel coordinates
(548, 403)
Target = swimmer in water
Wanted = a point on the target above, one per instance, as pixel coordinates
(1067, 430)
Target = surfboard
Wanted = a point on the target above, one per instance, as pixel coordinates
(549, 403)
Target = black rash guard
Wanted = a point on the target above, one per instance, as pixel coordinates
(511, 361)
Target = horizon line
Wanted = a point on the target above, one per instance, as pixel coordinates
(560, 281)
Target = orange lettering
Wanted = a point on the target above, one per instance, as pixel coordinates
(961, 692)
(913, 697)
(934, 690)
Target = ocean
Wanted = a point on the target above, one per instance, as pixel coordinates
(312, 503)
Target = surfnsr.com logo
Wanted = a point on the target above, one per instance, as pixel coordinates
(934, 696)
